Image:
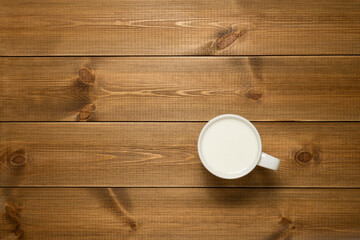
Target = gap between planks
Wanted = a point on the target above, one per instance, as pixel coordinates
(180, 187)
(178, 56)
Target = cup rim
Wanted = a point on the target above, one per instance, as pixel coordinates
(215, 171)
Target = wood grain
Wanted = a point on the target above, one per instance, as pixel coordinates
(177, 27)
(179, 89)
(181, 213)
(164, 191)
(165, 154)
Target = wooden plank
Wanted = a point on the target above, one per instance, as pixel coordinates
(165, 154)
(180, 213)
(180, 89)
(177, 27)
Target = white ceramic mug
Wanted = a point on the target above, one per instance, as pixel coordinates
(230, 147)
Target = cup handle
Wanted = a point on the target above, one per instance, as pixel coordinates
(269, 162)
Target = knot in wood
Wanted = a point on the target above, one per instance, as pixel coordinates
(12, 213)
(19, 233)
(17, 160)
(227, 39)
(305, 156)
(254, 96)
(86, 112)
(133, 224)
(86, 76)
(285, 221)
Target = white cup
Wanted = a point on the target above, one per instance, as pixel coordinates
(230, 147)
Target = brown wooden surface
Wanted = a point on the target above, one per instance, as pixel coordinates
(180, 213)
(143, 74)
(193, 27)
(180, 88)
(165, 154)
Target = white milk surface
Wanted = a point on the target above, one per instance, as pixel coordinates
(229, 145)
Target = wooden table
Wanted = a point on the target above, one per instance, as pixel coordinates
(101, 104)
